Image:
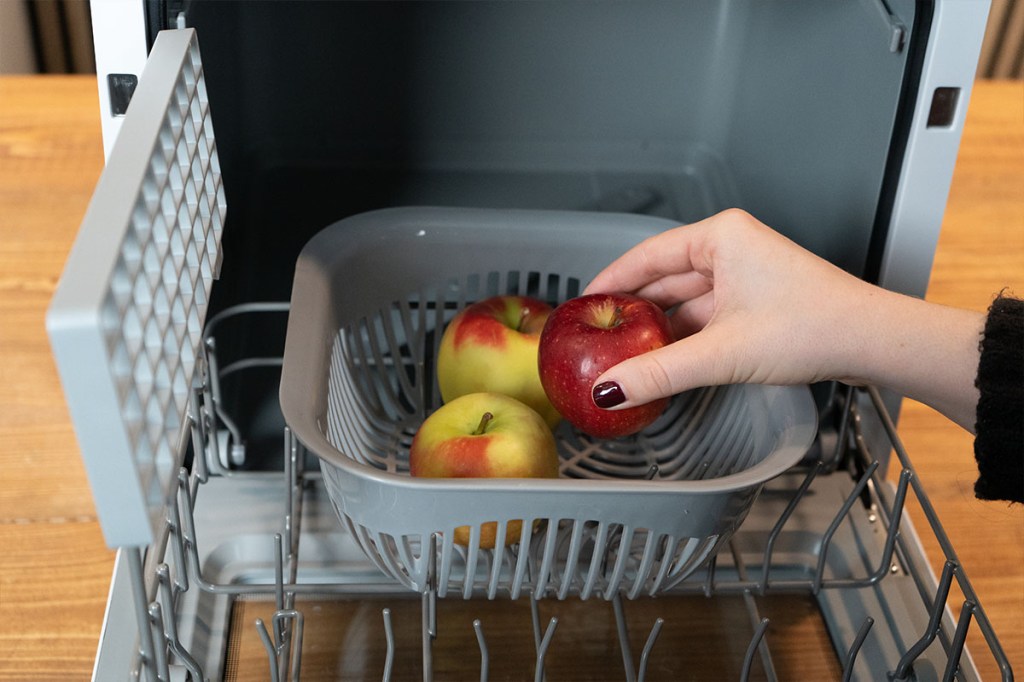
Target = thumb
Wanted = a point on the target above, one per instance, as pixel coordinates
(697, 360)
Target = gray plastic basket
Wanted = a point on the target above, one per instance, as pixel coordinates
(372, 294)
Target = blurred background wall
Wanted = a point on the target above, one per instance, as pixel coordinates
(46, 36)
(1002, 53)
(54, 36)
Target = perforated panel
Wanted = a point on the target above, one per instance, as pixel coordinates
(126, 321)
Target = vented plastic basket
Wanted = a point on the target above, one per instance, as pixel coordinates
(372, 295)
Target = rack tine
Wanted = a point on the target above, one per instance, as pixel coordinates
(236, 452)
(293, 644)
(389, 637)
(756, 620)
(189, 528)
(283, 644)
(484, 656)
(646, 654)
(290, 477)
(844, 427)
(177, 541)
(755, 642)
(623, 629)
(170, 625)
(538, 674)
(138, 583)
(156, 624)
(777, 529)
(851, 655)
(271, 650)
(826, 539)
(198, 435)
(432, 582)
(278, 573)
(894, 526)
(535, 620)
(959, 637)
(428, 610)
(906, 663)
(709, 579)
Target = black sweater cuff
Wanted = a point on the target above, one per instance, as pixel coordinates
(999, 443)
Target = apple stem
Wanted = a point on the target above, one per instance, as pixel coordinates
(484, 421)
(523, 314)
(616, 317)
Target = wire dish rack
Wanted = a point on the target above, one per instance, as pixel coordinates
(833, 529)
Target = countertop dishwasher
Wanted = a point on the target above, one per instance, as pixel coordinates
(221, 513)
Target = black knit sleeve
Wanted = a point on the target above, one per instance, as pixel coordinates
(999, 443)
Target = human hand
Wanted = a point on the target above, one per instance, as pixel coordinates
(748, 305)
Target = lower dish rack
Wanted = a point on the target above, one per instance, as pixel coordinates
(832, 533)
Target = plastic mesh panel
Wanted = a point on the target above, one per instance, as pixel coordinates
(134, 294)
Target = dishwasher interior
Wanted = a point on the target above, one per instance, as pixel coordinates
(232, 563)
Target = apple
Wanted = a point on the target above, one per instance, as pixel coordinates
(491, 346)
(584, 337)
(484, 435)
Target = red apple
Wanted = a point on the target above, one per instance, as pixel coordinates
(586, 336)
(484, 435)
(491, 346)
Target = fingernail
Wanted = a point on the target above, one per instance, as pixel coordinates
(608, 394)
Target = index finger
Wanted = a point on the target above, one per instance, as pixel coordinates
(673, 252)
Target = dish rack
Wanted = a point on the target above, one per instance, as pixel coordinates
(636, 514)
(855, 554)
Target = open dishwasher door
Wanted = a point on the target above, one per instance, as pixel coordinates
(127, 319)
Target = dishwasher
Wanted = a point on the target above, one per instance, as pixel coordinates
(244, 384)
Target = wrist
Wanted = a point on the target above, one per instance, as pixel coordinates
(921, 350)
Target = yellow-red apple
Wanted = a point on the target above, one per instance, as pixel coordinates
(484, 435)
(491, 346)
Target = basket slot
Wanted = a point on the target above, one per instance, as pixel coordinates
(723, 451)
(496, 565)
(390, 385)
(522, 561)
(349, 355)
(647, 560)
(670, 549)
(622, 556)
(734, 447)
(712, 436)
(692, 554)
(444, 567)
(373, 439)
(408, 388)
(361, 537)
(547, 558)
(597, 560)
(571, 559)
(388, 549)
(677, 443)
(411, 549)
(472, 555)
(671, 443)
(672, 431)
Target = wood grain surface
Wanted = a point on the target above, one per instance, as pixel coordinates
(54, 566)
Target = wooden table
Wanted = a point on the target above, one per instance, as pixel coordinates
(54, 566)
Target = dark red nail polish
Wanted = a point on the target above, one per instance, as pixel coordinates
(608, 394)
